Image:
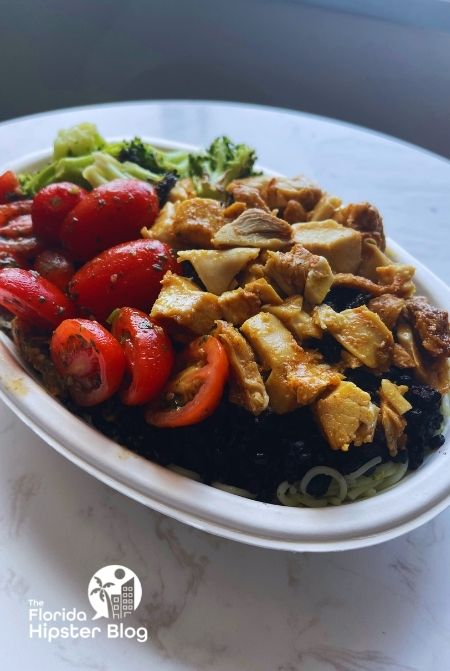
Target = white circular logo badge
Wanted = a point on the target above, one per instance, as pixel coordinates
(114, 592)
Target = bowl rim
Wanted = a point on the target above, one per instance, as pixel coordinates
(411, 502)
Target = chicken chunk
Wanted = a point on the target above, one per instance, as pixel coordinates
(294, 212)
(196, 222)
(255, 228)
(300, 272)
(163, 228)
(392, 406)
(217, 269)
(246, 384)
(182, 190)
(372, 258)
(361, 332)
(341, 246)
(265, 291)
(388, 308)
(184, 309)
(299, 322)
(296, 376)
(250, 195)
(280, 190)
(347, 415)
(431, 324)
(398, 277)
(394, 279)
(326, 208)
(239, 305)
(366, 219)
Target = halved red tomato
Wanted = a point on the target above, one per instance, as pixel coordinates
(89, 358)
(194, 392)
(110, 214)
(149, 354)
(129, 274)
(50, 207)
(35, 299)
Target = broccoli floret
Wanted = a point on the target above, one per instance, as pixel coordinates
(149, 157)
(77, 141)
(104, 168)
(224, 161)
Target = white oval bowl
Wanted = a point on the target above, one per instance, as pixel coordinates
(415, 500)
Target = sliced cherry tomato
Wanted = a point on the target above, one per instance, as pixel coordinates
(10, 260)
(26, 248)
(55, 267)
(112, 213)
(89, 358)
(128, 274)
(11, 210)
(50, 207)
(9, 186)
(195, 391)
(19, 227)
(35, 299)
(149, 354)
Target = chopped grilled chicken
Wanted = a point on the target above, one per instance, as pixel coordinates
(163, 228)
(280, 190)
(392, 406)
(246, 384)
(254, 271)
(184, 309)
(196, 222)
(234, 210)
(372, 258)
(294, 212)
(388, 308)
(217, 269)
(299, 323)
(182, 190)
(265, 291)
(300, 272)
(250, 195)
(438, 373)
(394, 395)
(347, 415)
(395, 279)
(431, 325)
(432, 370)
(398, 277)
(260, 182)
(296, 377)
(361, 332)
(326, 208)
(254, 228)
(401, 358)
(364, 218)
(341, 246)
(239, 305)
(406, 339)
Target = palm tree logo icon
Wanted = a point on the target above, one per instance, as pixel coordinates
(102, 591)
(114, 592)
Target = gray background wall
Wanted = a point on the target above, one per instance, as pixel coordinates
(376, 67)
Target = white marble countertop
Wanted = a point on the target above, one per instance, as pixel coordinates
(210, 603)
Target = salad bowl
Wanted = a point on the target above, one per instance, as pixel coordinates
(414, 500)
